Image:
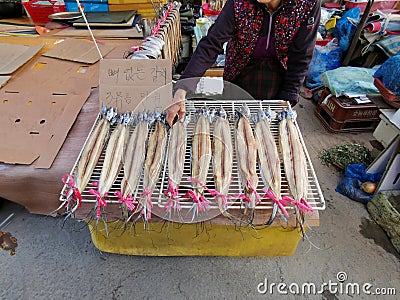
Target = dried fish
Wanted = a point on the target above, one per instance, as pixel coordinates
(133, 160)
(294, 160)
(201, 158)
(153, 165)
(88, 160)
(246, 151)
(223, 161)
(112, 162)
(269, 161)
(176, 161)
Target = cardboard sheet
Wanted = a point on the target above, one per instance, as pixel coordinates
(3, 80)
(78, 50)
(41, 105)
(126, 84)
(13, 56)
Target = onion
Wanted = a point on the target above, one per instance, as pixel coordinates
(368, 187)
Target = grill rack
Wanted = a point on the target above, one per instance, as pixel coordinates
(315, 197)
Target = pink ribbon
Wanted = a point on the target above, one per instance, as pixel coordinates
(128, 201)
(162, 20)
(171, 203)
(281, 204)
(135, 48)
(303, 201)
(101, 202)
(303, 205)
(201, 202)
(215, 194)
(253, 190)
(69, 181)
(148, 205)
(173, 196)
(244, 197)
(171, 192)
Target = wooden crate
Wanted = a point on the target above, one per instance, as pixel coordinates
(143, 7)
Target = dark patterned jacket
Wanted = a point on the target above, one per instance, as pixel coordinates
(295, 26)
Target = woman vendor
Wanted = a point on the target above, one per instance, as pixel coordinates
(270, 47)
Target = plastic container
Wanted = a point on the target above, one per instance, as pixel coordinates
(39, 11)
(337, 115)
(209, 12)
(382, 5)
(94, 6)
(336, 126)
(341, 109)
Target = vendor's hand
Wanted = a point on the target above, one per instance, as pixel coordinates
(177, 107)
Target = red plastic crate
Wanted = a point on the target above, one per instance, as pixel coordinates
(39, 12)
(343, 109)
(390, 97)
(336, 126)
(338, 114)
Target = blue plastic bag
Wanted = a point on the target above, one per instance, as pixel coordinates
(389, 74)
(325, 58)
(355, 175)
(359, 171)
(346, 27)
(350, 187)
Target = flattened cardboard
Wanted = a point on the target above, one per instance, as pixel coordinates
(78, 50)
(12, 57)
(125, 84)
(3, 80)
(41, 105)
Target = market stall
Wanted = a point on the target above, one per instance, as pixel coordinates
(128, 192)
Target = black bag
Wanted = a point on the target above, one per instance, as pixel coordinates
(10, 9)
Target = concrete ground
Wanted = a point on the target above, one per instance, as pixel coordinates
(53, 261)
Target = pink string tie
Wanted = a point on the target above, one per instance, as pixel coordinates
(146, 211)
(69, 181)
(128, 201)
(173, 197)
(281, 204)
(101, 202)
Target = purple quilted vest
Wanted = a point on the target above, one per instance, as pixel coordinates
(248, 22)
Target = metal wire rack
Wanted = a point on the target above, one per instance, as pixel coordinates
(315, 197)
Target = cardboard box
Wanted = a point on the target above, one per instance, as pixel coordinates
(41, 103)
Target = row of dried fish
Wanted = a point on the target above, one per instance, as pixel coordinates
(143, 157)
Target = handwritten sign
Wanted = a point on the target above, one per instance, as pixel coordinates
(127, 83)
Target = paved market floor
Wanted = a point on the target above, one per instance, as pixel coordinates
(347, 251)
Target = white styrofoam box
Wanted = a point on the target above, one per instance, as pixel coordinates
(384, 132)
